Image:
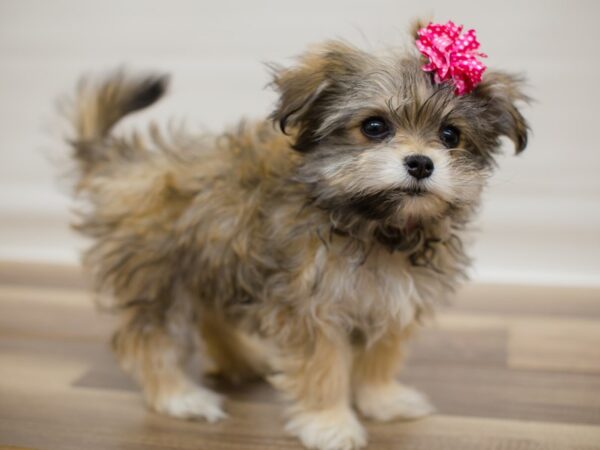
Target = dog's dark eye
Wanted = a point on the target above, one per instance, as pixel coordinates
(375, 128)
(450, 136)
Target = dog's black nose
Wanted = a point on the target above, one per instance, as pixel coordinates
(419, 166)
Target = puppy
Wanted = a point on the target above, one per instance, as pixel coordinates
(304, 252)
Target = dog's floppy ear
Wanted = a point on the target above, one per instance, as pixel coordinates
(306, 89)
(501, 93)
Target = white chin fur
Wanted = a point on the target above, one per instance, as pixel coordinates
(423, 206)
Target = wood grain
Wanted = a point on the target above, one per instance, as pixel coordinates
(506, 369)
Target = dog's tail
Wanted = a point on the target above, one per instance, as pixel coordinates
(100, 105)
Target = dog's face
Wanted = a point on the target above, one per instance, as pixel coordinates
(380, 139)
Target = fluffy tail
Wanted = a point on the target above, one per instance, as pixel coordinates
(98, 107)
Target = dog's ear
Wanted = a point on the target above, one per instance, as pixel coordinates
(306, 89)
(501, 92)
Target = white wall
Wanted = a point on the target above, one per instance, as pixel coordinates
(541, 220)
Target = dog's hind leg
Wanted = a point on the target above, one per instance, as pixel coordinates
(234, 354)
(154, 344)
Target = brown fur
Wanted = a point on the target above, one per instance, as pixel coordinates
(380, 363)
(296, 254)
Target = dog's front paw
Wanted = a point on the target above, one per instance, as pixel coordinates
(392, 401)
(192, 403)
(334, 429)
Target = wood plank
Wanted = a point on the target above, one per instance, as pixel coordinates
(480, 391)
(520, 300)
(542, 342)
(558, 345)
(500, 380)
(41, 274)
(51, 313)
(119, 420)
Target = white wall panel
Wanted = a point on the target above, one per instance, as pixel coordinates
(541, 220)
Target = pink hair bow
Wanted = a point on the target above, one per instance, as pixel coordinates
(452, 56)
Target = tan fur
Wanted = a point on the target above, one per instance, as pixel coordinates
(317, 374)
(303, 257)
(376, 391)
(234, 354)
(154, 354)
(380, 363)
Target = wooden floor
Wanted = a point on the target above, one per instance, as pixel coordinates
(509, 368)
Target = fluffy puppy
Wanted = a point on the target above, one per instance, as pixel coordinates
(303, 252)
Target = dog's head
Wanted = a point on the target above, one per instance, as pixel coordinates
(381, 139)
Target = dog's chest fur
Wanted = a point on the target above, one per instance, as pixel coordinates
(373, 292)
(383, 289)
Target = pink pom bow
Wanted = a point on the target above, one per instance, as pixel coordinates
(452, 56)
